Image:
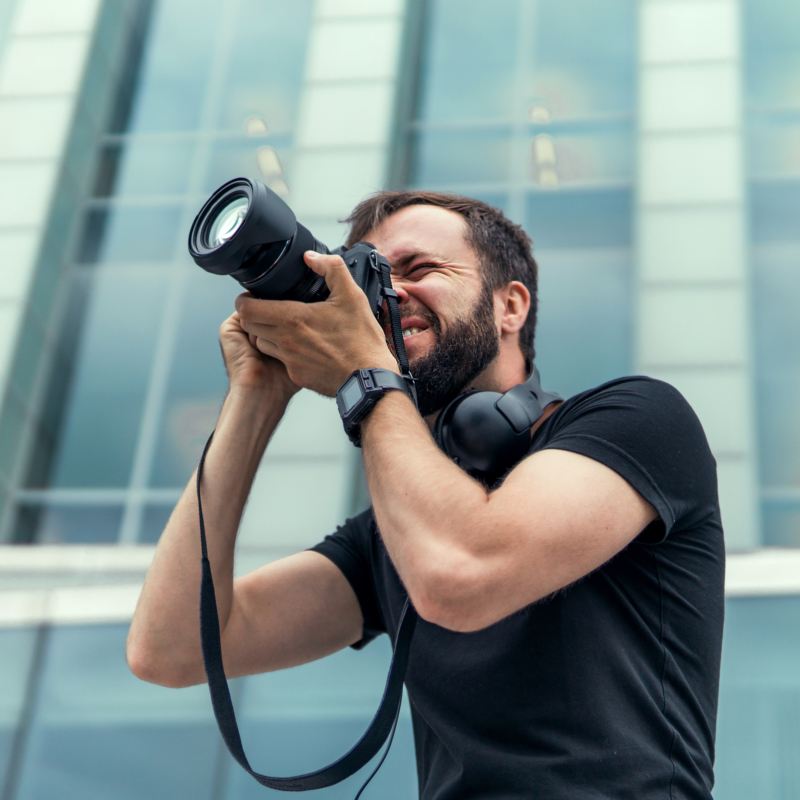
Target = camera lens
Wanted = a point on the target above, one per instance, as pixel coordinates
(228, 220)
(246, 231)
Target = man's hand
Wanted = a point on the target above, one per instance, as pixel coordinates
(320, 344)
(247, 367)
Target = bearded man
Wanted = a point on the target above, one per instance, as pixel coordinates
(570, 624)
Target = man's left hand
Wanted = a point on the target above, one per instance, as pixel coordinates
(320, 344)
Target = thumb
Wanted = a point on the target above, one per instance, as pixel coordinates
(333, 269)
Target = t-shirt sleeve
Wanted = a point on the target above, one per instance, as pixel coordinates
(645, 431)
(350, 549)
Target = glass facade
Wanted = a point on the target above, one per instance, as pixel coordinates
(209, 92)
(530, 105)
(772, 102)
(77, 725)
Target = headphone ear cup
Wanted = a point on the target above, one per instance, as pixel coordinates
(478, 437)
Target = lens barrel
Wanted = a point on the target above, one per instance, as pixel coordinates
(246, 231)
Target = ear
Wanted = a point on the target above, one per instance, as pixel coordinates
(512, 302)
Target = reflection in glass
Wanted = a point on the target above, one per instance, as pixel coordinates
(269, 40)
(68, 524)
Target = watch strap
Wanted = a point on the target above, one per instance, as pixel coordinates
(374, 383)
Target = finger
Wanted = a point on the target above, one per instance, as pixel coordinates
(333, 269)
(255, 313)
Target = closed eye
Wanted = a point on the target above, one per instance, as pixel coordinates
(420, 268)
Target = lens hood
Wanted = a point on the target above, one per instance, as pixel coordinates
(267, 220)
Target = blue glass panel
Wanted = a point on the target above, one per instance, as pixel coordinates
(16, 663)
(776, 298)
(584, 331)
(154, 520)
(176, 65)
(145, 168)
(236, 158)
(584, 57)
(462, 156)
(131, 234)
(470, 60)
(54, 524)
(774, 146)
(198, 380)
(597, 218)
(267, 57)
(99, 733)
(758, 727)
(301, 719)
(772, 47)
(781, 522)
(104, 409)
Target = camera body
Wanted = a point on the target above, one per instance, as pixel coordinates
(246, 231)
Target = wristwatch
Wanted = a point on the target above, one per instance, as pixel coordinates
(359, 393)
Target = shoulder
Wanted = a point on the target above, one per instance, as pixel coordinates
(646, 431)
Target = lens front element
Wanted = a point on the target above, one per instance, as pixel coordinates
(228, 220)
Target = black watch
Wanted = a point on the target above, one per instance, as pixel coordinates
(359, 393)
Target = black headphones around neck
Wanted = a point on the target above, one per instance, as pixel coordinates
(487, 433)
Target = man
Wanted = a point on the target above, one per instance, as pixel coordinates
(571, 616)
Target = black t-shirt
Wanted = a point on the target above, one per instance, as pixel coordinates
(606, 689)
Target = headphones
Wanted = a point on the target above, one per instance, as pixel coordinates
(487, 433)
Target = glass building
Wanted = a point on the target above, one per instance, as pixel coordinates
(650, 147)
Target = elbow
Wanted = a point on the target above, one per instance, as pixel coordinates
(450, 596)
(152, 666)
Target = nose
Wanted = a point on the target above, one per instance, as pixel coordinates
(402, 293)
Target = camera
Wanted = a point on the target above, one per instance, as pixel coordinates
(246, 231)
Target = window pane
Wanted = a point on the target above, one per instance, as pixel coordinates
(470, 58)
(73, 524)
(104, 408)
(17, 646)
(269, 41)
(758, 726)
(144, 168)
(583, 336)
(299, 720)
(175, 66)
(463, 156)
(197, 381)
(99, 732)
(131, 234)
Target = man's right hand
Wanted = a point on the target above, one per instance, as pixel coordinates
(247, 367)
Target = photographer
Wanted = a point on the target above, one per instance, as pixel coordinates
(570, 613)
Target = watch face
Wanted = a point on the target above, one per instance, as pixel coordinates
(351, 393)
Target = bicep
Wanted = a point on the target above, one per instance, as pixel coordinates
(290, 612)
(559, 516)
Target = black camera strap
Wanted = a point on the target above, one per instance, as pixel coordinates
(381, 728)
(381, 265)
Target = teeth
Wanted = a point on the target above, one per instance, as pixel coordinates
(410, 332)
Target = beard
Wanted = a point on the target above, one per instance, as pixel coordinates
(458, 355)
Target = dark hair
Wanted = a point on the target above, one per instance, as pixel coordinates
(503, 248)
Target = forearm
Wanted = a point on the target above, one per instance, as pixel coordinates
(430, 513)
(164, 635)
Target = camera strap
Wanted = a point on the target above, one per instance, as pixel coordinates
(380, 729)
(381, 266)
